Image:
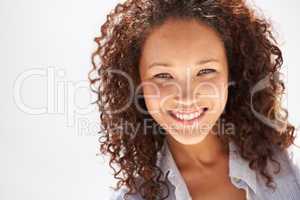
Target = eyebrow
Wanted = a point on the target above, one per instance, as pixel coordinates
(201, 62)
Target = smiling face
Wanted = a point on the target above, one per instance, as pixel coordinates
(184, 76)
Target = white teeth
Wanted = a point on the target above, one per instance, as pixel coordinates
(188, 116)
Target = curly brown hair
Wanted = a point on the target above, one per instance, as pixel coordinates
(253, 55)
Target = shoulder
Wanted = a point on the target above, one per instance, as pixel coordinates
(290, 164)
(120, 195)
(293, 155)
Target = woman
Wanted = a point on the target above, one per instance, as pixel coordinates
(189, 96)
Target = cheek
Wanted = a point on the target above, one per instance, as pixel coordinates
(152, 96)
(214, 91)
(157, 96)
(222, 91)
(214, 88)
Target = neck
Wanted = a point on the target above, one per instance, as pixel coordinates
(205, 154)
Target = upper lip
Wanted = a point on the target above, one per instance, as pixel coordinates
(188, 111)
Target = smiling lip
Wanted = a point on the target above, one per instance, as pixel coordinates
(188, 117)
(188, 111)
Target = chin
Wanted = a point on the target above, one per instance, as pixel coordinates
(188, 139)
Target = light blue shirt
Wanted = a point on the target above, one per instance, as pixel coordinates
(241, 176)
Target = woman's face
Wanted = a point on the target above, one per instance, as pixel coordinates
(184, 78)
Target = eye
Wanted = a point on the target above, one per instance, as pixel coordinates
(206, 71)
(162, 75)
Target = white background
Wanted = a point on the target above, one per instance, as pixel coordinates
(49, 151)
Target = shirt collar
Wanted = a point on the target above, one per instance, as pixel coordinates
(238, 170)
(167, 164)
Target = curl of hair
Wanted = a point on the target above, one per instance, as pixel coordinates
(253, 56)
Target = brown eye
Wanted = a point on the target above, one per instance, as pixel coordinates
(162, 75)
(206, 71)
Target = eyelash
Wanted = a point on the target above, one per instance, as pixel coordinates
(202, 70)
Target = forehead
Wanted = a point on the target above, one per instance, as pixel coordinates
(182, 41)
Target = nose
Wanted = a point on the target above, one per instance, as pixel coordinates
(186, 97)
